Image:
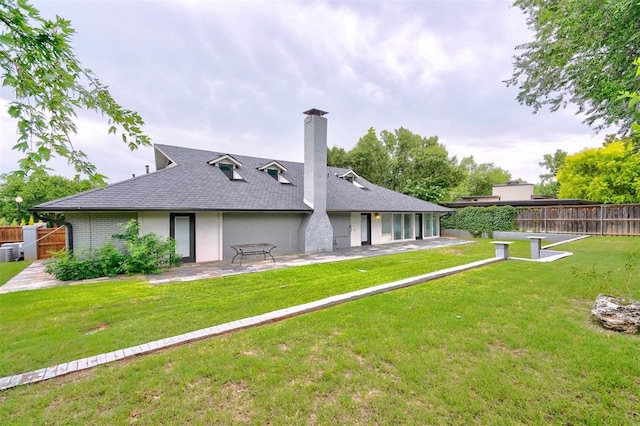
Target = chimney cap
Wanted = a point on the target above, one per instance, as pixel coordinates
(314, 111)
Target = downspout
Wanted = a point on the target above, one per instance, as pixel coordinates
(58, 222)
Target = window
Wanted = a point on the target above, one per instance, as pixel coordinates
(227, 169)
(228, 165)
(436, 225)
(408, 225)
(428, 232)
(352, 177)
(275, 170)
(397, 226)
(386, 224)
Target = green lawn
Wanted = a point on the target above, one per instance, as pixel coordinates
(509, 343)
(60, 324)
(9, 270)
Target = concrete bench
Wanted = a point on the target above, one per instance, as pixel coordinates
(536, 244)
(243, 250)
(502, 248)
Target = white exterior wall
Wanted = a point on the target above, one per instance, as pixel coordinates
(208, 232)
(157, 222)
(376, 232)
(208, 236)
(516, 192)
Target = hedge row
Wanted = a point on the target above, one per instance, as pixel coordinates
(478, 220)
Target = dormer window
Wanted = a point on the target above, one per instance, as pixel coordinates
(227, 169)
(228, 165)
(275, 170)
(352, 177)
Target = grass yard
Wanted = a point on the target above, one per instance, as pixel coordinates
(50, 326)
(9, 270)
(508, 343)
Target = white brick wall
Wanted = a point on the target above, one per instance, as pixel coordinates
(91, 230)
(316, 232)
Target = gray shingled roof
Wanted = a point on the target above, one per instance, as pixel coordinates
(192, 184)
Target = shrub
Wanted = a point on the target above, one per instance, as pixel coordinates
(146, 255)
(477, 220)
(107, 261)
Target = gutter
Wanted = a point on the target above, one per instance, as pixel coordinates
(58, 222)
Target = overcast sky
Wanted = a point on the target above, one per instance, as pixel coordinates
(235, 77)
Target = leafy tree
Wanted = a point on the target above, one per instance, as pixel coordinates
(581, 55)
(370, 159)
(403, 161)
(478, 179)
(548, 183)
(35, 189)
(337, 157)
(50, 85)
(552, 163)
(634, 104)
(607, 175)
(420, 161)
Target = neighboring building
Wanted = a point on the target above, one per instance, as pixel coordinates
(209, 201)
(513, 194)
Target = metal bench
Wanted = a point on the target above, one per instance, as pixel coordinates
(243, 250)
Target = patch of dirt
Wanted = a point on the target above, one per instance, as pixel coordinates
(77, 376)
(94, 330)
(501, 347)
(152, 396)
(134, 416)
(450, 251)
(237, 400)
(359, 398)
(283, 347)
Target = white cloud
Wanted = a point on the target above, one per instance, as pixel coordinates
(235, 77)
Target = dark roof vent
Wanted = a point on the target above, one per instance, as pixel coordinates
(314, 111)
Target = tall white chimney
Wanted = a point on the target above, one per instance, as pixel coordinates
(316, 232)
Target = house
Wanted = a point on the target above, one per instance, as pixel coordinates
(210, 200)
(515, 194)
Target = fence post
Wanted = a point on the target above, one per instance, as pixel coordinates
(601, 219)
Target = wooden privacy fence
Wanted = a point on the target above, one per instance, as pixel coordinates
(50, 239)
(605, 219)
(11, 234)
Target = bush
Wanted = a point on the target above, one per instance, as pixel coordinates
(145, 255)
(107, 261)
(477, 220)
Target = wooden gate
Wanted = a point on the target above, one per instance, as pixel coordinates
(53, 239)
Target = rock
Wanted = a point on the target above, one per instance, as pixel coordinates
(617, 314)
